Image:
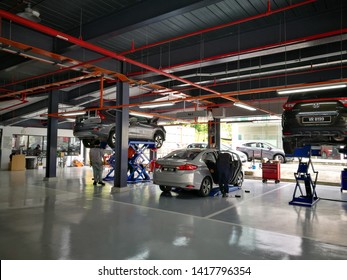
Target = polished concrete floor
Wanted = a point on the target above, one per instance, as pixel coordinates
(71, 219)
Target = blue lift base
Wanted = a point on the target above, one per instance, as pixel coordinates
(304, 201)
(216, 191)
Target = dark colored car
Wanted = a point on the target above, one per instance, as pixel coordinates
(315, 118)
(194, 169)
(260, 150)
(101, 125)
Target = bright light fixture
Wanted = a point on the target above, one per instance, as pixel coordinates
(307, 89)
(156, 105)
(67, 114)
(244, 106)
(140, 115)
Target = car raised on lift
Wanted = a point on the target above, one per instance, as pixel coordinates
(100, 125)
(315, 118)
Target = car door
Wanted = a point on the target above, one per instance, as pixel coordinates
(267, 151)
(140, 129)
(255, 150)
(210, 159)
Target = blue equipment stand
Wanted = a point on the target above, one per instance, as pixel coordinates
(136, 165)
(309, 197)
(343, 172)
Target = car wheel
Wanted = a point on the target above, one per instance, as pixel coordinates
(111, 141)
(288, 146)
(88, 143)
(239, 180)
(165, 188)
(281, 158)
(205, 187)
(248, 158)
(158, 139)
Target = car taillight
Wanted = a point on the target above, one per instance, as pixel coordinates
(344, 102)
(101, 115)
(186, 167)
(288, 105)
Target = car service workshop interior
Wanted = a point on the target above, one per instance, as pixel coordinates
(164, 89)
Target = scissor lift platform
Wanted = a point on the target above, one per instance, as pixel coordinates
(138, 168)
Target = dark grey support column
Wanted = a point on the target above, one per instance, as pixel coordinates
(217, 126)
(122, 139)
(52, 136)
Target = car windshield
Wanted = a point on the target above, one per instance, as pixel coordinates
(183, 154)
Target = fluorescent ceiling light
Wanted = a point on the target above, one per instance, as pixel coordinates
(141, 115)
(244, 106)
(67, 114)
(307, 89)
(156, 105)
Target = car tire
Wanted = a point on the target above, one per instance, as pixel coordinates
(158, 139)
(165, 188)
(281, 158)
(248, 158)
(239, 180)
(205, 187)
(288, 146)
(111, 140)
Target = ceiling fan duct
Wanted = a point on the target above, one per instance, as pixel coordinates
(30, 14)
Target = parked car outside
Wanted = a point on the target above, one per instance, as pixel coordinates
(261, 150)
(315, 118)
(193, 169)
(242, 156)
(101, 125)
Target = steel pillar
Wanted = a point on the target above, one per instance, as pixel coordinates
(52, 136)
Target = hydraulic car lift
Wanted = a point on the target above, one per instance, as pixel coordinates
(136, 162)
(309, 197)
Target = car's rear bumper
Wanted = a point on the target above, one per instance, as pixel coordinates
(186, 179)
(315, 132)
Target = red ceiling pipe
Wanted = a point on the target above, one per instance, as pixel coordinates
(267, 77)
(101, 92)
(267, 13)
(53, 72)
(269, 46)
(37, 90)
(15, 105)
(133, 49)
(86, 45)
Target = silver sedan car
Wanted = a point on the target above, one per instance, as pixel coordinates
(193, 169)
(101, 125)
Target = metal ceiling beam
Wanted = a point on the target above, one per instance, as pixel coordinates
(268, 12)
(144, 13)
(97, 49)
